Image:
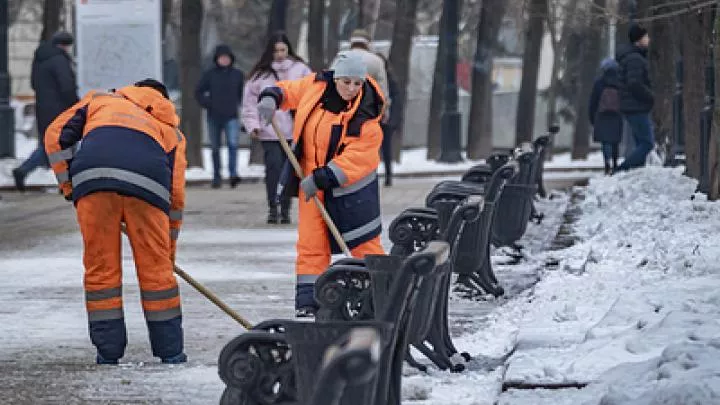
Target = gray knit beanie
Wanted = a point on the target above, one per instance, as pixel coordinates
(349, 64)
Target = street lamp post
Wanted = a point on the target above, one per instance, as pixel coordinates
(7, 125)
(450, 120)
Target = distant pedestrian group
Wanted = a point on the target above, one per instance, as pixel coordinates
(623, 93)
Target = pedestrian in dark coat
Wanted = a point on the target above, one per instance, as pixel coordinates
(605, 113)
(636, 96)
(391, 122)
(220, 92)
(53, 79)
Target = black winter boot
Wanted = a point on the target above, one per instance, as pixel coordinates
(285, 212)
(19, 178)
(272, 214)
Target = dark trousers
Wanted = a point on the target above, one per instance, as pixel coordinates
(642, 133)
(610, 152)
(387, 154)
(38, 157)
(232, 134)
(274, 160)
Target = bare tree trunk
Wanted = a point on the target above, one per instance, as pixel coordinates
(556, 12)
(295, 19)
(52, 9)
(480, 135)
(190, 71)
(714, 157)
(14, 10)
(662, 76)
(621, 28)
(399, 60)
(436, 96)
(525, 119)
(167, 6)
(166, 21)
(375, 13)
(591, 61)
(386, 19)
(316, 34)
(552, 23)
(277, 16)
(337, 7)
(696, 27)
(361, 20)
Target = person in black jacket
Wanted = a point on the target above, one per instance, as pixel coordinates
(391, 122)
(53, 79)
(220, 92)
(605, 114)
(636, 96)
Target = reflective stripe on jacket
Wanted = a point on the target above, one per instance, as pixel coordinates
(126, 141)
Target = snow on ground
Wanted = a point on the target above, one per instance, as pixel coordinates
(413, 161)
(632, 311)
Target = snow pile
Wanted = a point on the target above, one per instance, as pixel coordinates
(629, 315)
(639, 318)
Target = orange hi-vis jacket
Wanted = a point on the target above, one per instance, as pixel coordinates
(344, 148)
(125, 141)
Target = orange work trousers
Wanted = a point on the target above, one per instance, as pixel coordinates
(100, 216)
(313, 245)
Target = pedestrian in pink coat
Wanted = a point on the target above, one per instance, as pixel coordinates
(278, 62)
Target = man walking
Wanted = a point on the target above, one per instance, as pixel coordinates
(130, 170)
(53, 80)
(636, 97)
(220, 92)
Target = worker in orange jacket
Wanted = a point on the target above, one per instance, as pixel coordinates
(336, 135)
(120, 157)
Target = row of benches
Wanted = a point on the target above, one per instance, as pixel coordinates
(373, 310)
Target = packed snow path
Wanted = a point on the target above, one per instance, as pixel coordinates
(633, 305)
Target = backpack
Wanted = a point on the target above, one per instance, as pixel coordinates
(609, 100)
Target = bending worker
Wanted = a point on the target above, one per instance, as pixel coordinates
(337, 135)
(129, 168)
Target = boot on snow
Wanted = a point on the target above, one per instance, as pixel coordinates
(305, 305)
(285, 212)
(176, 359)
(272, 217)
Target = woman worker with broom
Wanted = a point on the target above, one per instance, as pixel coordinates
(336, 136)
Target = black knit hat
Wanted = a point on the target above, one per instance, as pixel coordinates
(152, 83)
(62, 38)
(636, 33)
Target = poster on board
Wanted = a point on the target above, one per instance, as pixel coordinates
(119, 42)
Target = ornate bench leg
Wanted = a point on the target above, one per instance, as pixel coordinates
(234, 396)
(414, 363)
(256, 364)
